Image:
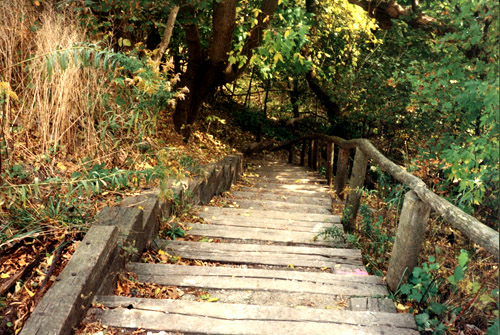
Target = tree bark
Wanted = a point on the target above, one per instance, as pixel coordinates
(208, 69)
(167, 34)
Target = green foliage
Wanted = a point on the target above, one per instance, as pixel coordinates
(457, 98)
(174, 231)
(424, 288)
(334, 233)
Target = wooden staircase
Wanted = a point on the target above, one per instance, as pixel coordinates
(273, 275)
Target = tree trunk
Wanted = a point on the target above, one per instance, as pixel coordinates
(208, 69)
(168, 33)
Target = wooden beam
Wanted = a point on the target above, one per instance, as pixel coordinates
(329, 163)
(356, 182)
(303, 153)
(342, 170)
(409, 238)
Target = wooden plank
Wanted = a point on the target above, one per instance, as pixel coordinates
(291, 225)
(300, 193)
(287, 179)
(207, 318)
(372, 304)
(325, 200)
(292, 187)
(156, 274)
(67, 300)
(261, 234)
(214, 253)
(282, 206)
(317, 277)
(209, 211)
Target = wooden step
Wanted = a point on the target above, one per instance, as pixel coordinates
(281, 224)
(213, 318)
(298, 193)
(281, 206)
(210, 211)
(291, 187)
(325, 200)
(286, 179)
(257, 280)
(260, 234)
(337, 260)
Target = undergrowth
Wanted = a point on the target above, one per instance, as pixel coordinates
(455, 285)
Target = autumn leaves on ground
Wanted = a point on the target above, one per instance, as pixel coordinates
(92, 109)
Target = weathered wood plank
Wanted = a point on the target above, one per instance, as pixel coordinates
(206, 318)
(65, 303)
(409, 237)
(292, 187)
(209, 211)
(300, 193)
(326, 200)
(356, 182)
(291, 225)
(372, 304)
(342, 172)
(282, 206)
(316, 277)
(254, 312)
(261, 234)
(154, 274)
(225, 255)
(287, 179)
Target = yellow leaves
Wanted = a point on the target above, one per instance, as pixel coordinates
(4, 276)
(61, 166)
(287, 32)
(5, 88)
(31, 294)
(401, 307)
(278, 57)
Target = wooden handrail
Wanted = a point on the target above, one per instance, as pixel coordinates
(478, 232)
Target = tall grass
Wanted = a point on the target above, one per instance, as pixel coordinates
(59, 110)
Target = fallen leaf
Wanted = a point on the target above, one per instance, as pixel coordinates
(4, 276)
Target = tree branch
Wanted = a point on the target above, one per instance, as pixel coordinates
(254, 39)
(167, 34)
(385, 12)
(332, 108)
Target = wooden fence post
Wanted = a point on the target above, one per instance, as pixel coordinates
(409, 238)
(356, 181)
(315, 155)
(329, 162)
(310, 154)
(290, 154)
(341, 173)
(303, 153)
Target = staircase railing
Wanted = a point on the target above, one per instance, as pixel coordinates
(418, 202)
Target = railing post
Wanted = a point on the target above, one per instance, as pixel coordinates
(303, 153)
(329, 163)
(341, 173)
(409, 238)
(315, 155)
(356, 181)
(310, 154)
(290, 154)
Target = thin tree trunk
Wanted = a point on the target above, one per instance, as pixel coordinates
(167, 34)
